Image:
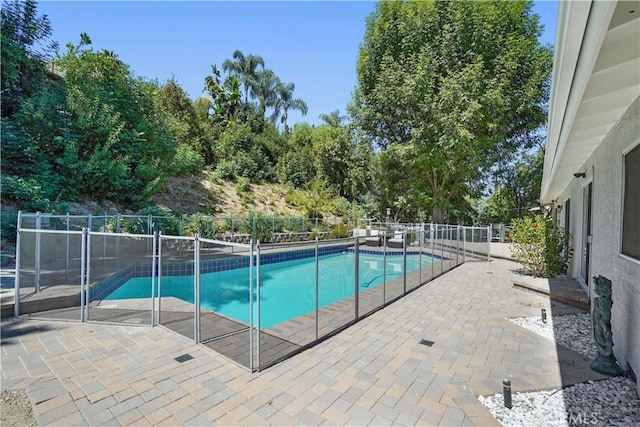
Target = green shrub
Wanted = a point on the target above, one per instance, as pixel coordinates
(540, 246)
(169, 225)
(225, 170)
(186, 161)
(201, 224)
(258, 225)
(339, 232)
(315, 235)
(27, 193)
(8, 223)
(243, 186)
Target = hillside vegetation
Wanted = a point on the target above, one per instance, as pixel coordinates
(203, 193)
(444, 125)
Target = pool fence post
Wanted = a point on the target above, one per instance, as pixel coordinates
(464, 245)
(317, 284)
(153, 278)
(118, 227)
(442, 250)
(489, 243)
(356, 269)
(473, 232)
(66, 273)
(421, 236)
(449, 240)
(84, 265)
(196, 287)
(404, 261)
(251, 306)
(37, 257)
(431, 237)
(258, 301)
(384, 267)
(87, 275)
(16, 284)
(458, 244)
(104, 237)
(159, 264)
(431, 233)
(254, 229)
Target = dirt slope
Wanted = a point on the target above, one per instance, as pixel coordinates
(206, 194)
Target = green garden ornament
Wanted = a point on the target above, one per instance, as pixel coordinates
(605, 362)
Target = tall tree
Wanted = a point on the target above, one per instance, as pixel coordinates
(117, 132)
(264, 89)
(225, 95)
(333, 119)
(516, 190)
(285, 102)
(454, 87)
(331, 153)
(245, 68)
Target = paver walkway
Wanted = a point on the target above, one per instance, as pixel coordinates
(376, 372)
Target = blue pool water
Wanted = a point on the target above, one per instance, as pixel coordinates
(287, 289)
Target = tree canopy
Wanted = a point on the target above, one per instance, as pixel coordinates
(450, 96)
(451, 89)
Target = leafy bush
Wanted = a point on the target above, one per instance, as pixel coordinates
(225, 170)
(339, 232)
(540, 246)
(8, 225)
(243, 186)
(169, 225)
(258, 225)
(138, 225)
(186, 161)
(27, 193)
(201, 224)
(244, 165)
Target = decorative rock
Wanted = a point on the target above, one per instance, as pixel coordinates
(572, 330)
(611, 402)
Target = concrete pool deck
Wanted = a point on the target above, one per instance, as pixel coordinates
(376, 372)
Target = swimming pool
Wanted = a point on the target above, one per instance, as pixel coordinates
(287, 289)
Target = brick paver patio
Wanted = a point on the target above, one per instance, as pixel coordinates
(374, 373)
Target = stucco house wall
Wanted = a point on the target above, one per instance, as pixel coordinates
(605, 170)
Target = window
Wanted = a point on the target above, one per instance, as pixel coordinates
(631, 204)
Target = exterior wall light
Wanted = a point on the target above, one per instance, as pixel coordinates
(580, 174)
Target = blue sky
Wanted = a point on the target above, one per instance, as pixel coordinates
(312, 44)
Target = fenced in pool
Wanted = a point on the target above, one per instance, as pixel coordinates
(253, 303)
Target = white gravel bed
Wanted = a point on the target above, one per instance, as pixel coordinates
(611, 402)
(570, 330)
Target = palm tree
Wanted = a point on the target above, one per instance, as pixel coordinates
(245, 68)
(284, 102)
(265, 89)
(333, 119)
